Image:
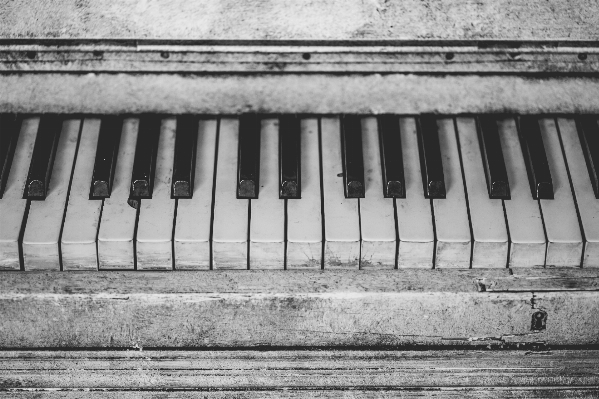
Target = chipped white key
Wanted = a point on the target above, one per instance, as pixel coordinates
(44, 222)
(156, 215)
(486, 215)
(588, 205)
(377, 214)
(194, 215)
(304, 222)
(342, 224)
(527, 246)
(564, 238)
(230, 225)
(267, 223)
(78, 242)
(451, 215)
(117, 227)
(414, 214)
(12, 204)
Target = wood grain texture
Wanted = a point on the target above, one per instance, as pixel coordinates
(300, 93)
(283, 309)
(331, 19)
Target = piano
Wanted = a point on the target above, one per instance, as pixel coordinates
(310, 206)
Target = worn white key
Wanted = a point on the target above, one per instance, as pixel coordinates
(588, 205)
(44, 222)
(414, 214)
(304, 222)
(117, 227)
(78, 242)
(527, 237)
(156, 215)
(192, 230)
(486, 215)
(12, 204)
(564, 237)
(267, 223)
(230, 225)
(377, 214)
(451, 214)
(342, 224)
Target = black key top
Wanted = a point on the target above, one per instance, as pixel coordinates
(185, 159)
(248, 162)
(106, 155)
(492, 155)
(9, 134)
(144, 165)
(394, 185)
(431, 163)
(535, 158)
(353, 161)
(588, 131)
(42, 159)
(289, 157)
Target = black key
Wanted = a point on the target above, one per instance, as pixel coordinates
(492, 155)
(248, 162)
(9, 134)
(394, 185)
(588, 131)
(185, 159)
(353, 161)
(106, 155)
(289, 157)
(535, 158)
(144, 165)
(431, 163)
(42, 159)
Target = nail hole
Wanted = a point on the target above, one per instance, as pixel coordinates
(582, 56)
(449, 56)
(539, 321)
(306, 56)
(98, 53)
(31, 54)
(165, 54)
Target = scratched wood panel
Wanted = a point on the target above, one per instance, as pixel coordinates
(297, 93)
(317, 309)
(289, 373)
(543, 280)
(290, 19)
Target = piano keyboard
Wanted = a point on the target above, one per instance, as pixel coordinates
(366, 192)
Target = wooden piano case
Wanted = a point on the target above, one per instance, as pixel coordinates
(351, 333)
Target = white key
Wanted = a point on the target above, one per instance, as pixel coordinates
(414, 214)
(588, 205)
(156, 215)
(451, 214)
(564, 238)
(342, 224)
(377, 214)
(304, 221)
(230, 225)
(267, 223)
(194, 215)
(486, 215)
(527, 237)
(78, 242)
(44, 222)
(12, 204)
(117, 227)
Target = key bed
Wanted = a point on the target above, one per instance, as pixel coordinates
(225, 192)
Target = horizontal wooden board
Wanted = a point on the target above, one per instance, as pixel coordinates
(317, 93)
(289, 19)
(449, 373)
(523, 279)
(397, 308)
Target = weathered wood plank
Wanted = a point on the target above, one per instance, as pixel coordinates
(331, 19)
(296, 93)
(539, 280)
